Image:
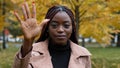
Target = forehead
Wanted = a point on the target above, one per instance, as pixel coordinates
(61, 16)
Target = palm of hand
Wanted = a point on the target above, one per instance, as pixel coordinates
(30, 28)
(29, 25)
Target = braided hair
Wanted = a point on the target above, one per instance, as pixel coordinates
(50, 14)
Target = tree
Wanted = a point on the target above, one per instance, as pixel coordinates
(9, 19)
(99, 22)
(94, 23)
(14, 28)
(96, 18)
(3, 8)
(2, 24)
(115, 9)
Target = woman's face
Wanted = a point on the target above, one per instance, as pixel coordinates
(60, 28)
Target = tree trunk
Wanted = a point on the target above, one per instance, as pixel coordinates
(118, 40)
(3, 13)
(83, 42)
(77, 19)
(4, 40)
(113, 40)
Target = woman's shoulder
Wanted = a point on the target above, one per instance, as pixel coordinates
(80, 49)
(40, 46)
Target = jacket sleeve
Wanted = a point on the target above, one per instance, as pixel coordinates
(88, 63)
(20, 62)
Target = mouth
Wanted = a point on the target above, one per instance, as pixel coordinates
(61, 36)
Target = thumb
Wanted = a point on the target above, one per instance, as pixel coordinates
(44, 22)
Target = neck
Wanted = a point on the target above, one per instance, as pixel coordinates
(51, 42)
(55, 47)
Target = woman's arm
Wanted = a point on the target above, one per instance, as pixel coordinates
(88, 62)
(30, 29)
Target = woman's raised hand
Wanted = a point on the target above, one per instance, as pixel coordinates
(29, 25)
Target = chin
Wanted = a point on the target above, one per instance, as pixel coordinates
(61, 42)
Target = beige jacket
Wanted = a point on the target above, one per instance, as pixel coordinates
(39, 57)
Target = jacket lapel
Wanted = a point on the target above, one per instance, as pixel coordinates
(43, 60)
(76, 54)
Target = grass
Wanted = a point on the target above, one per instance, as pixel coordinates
(106, 53)
(7, 55)
(101, 57)
(105, 57)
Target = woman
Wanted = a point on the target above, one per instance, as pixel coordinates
(57, 46)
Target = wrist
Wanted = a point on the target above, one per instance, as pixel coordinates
(25, 51)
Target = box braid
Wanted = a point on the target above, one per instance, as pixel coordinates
(50, 14)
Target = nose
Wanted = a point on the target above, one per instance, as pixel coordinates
(60, 29)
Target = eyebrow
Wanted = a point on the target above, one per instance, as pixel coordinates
(53, 22)
(57, 21)
(66, 21)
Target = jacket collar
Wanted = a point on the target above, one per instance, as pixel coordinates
(77, 50)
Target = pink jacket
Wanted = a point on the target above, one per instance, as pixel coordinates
(39, 57)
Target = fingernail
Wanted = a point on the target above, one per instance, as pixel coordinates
(33, 3)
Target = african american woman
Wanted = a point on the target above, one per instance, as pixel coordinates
(57, 46)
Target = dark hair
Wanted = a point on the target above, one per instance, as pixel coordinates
(50, 14)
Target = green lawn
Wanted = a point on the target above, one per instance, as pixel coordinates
(101, 57)
(7, 56)
(105, 57)
(106, 53)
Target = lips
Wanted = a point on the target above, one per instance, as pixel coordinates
(61, 36)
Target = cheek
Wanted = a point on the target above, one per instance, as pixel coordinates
(69, 32)
(51, 32)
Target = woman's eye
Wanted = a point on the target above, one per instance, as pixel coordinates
(66, 25)
(54, 24)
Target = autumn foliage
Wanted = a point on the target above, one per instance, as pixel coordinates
(96, 18)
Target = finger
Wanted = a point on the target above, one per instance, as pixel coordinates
(24, 12)
(33, 10)
(44, 22)
(27, 10)
(17, 16)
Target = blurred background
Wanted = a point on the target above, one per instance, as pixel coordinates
(97, 23)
